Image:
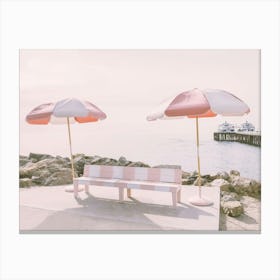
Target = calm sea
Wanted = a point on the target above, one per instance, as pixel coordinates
(214, 156)
(148, 144)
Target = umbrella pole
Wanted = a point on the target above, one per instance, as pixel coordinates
(198, 159)
(198, 200)
(69, 135)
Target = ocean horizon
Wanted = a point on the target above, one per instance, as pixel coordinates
(155, 150)
(127, 85)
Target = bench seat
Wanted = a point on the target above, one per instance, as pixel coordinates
(98, 181)
(154, 186)
(122, 177)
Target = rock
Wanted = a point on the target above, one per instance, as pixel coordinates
(43, 168)
(123, 161)
(93, 160)
(208, 178)
(63, 159)
(79, 163)
(234, 173)
(62, 177)
(23, 160)
(222, 184)
(25, 183)
(37, 157)
(189, 181)
(232, 208)
(226, 196)
(185, 175)
(138, 164)
(106, 161)
(245, 186)
(202, 182)
(213, 177)
(41, 178)
(223, 175)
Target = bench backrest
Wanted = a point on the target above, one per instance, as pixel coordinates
(134, 173)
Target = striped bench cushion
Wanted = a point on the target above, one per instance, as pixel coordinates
(134, 173)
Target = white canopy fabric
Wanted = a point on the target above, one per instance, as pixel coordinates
(200, 103)
(74, 109)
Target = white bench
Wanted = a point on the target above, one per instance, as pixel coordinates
(123, 177)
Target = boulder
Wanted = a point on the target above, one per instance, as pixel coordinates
(40, 180)
(23, 160)
(245, 186)
(123, 161)
(64, 159)
(79, 163)
(213, 177)
(224, 185)
(189, 181)
(200, 182)
(25, 183)
(185, 175)
(62, 177)
(234, 173)
(44, 168)
(208, 178)
(232, 208)
(222, 175)
(106, 161)
(226, 196)
(93, 160)
(138, 164)
(37, 157)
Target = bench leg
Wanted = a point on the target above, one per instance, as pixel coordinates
(128, 192)
(179, 196)
(76, 186)
(121, 194)
(86, 188)
(174, 198)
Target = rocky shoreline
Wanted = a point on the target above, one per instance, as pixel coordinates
(238, 194)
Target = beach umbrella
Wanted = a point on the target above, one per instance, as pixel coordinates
(66, 111)
(197, 104)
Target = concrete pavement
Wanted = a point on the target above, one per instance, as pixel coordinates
(51, 209)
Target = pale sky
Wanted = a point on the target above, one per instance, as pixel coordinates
(127, 85)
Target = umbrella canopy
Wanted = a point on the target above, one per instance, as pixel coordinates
(72, 108)
(68, 111)
(197, 104)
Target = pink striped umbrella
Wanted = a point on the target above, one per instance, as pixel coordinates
(68, 111)
(197, 104)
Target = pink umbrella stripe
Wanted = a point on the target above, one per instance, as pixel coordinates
(81, 111)
(190, 103)
(41, 114)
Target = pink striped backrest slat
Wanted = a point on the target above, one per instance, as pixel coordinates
(134, 173)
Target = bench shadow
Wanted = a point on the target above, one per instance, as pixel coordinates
(112, 216)
(135, 210)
